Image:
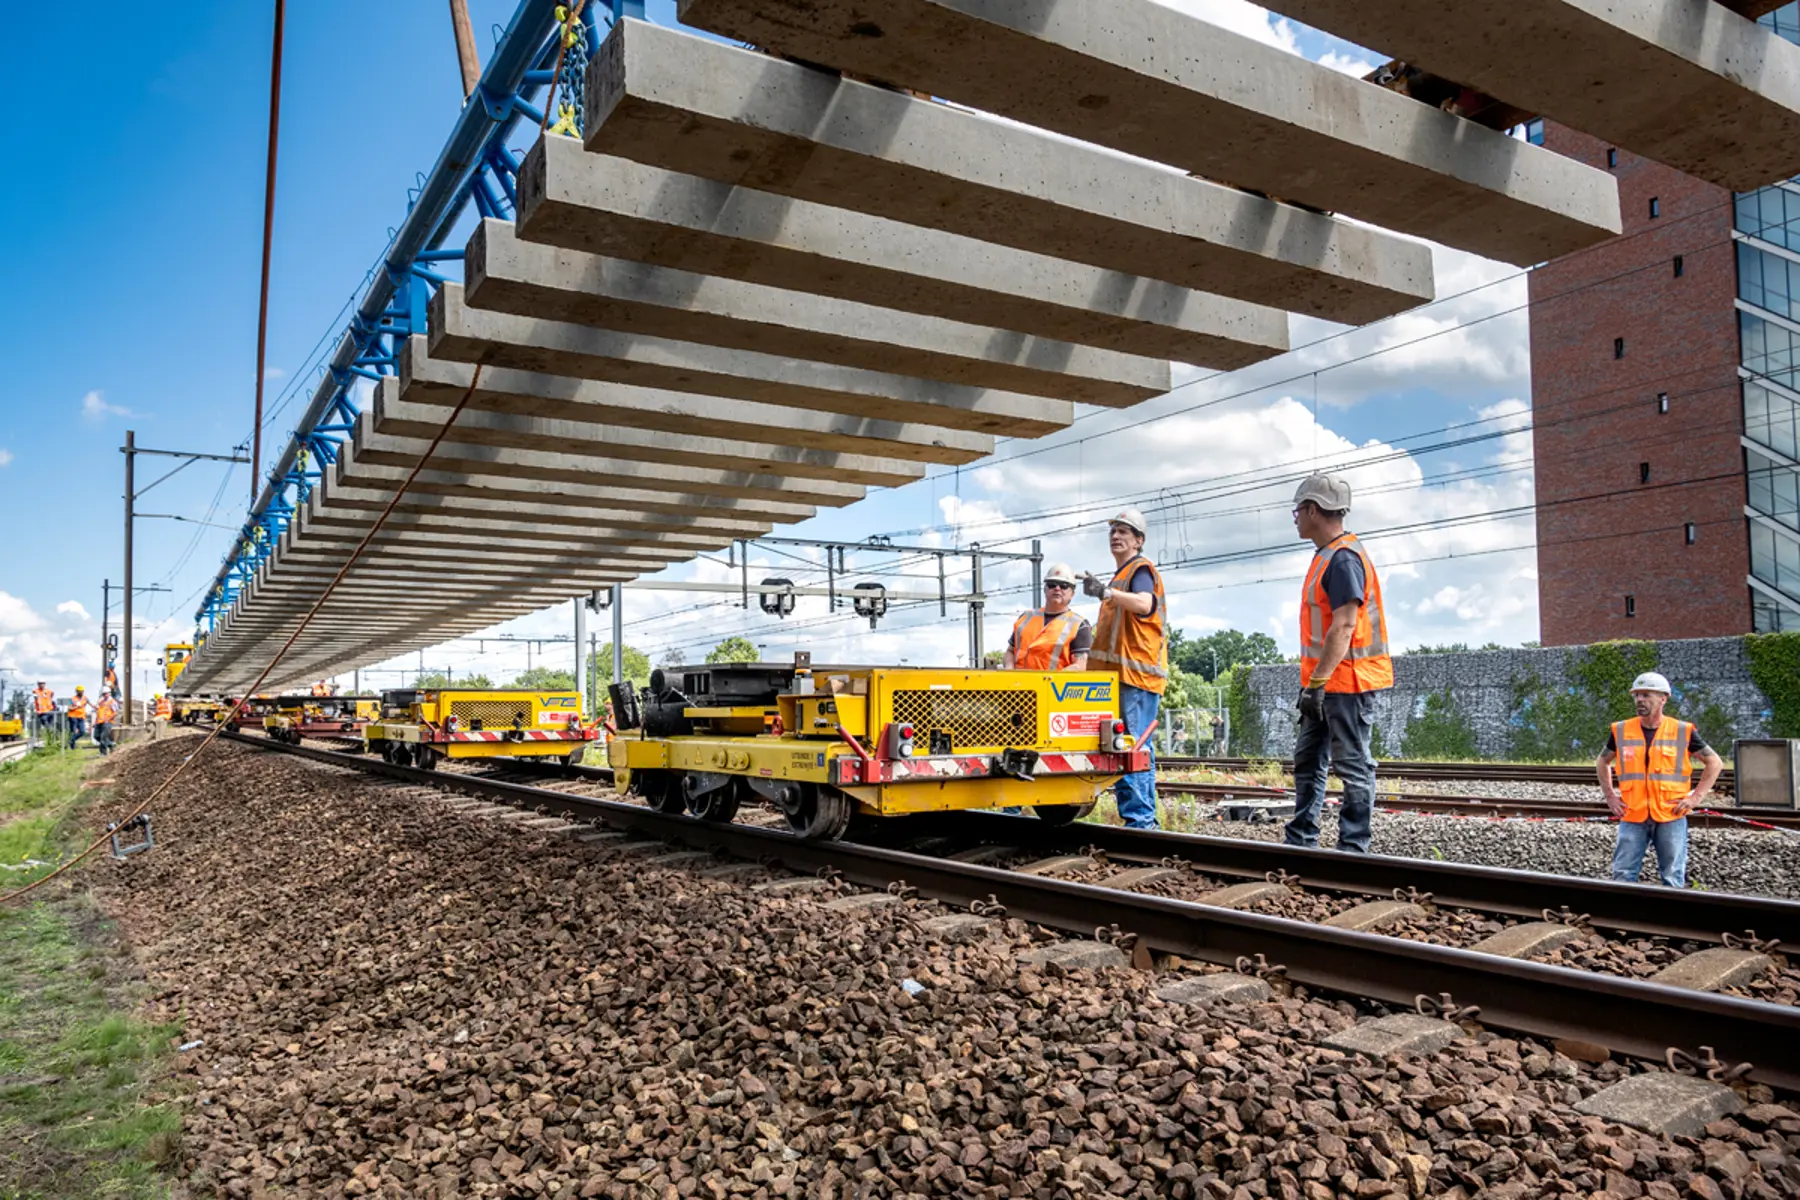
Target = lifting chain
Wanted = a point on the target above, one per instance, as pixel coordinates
(1705, 1063)
(1443, 1006)
(571, 72)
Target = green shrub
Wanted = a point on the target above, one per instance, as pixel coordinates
(1775, 669)
(1441, 731)
(1246, 719)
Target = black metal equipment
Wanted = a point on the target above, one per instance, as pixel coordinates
(776, 603)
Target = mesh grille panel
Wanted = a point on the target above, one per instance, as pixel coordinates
(975, 718)
(493, 714)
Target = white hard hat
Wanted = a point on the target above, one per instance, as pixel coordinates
(1133, 520)
(1650, 681)
(1329, 492)
(1060, 573)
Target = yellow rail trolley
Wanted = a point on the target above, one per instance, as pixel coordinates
(423, 727)
(824, 745)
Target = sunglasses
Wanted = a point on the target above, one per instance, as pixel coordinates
(1066, 586)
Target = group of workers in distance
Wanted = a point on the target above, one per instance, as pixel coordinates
(78, 712)
(1345, 662)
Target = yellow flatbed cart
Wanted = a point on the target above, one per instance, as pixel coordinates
(822, 746)
(298, 717)
(423, 727)
(11, 729)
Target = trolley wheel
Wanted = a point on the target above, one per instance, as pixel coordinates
(661, 790)
(1062, 814)
(816, 813)
(427, 759)
(720, 804)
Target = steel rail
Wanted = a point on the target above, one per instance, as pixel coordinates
(1633, 908)
(1486, 806)
(1628, 1016)
(1477, 772)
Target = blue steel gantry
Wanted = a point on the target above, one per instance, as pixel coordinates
(477, 165)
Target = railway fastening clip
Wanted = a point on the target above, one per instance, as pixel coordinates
(1706, 1063)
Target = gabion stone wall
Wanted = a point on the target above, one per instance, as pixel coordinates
(1491, 691)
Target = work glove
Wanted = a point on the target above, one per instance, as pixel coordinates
(1312, 703)
(1092, 587)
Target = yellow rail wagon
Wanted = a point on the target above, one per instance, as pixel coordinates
(11, 728)
(823, 745)
(423, 727)
(304, 716)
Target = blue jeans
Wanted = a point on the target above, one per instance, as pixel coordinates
(1136, 792)
(77, 730)
(1635, 837)
(103, 737)
(1341, 740)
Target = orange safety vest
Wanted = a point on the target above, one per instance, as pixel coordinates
(78, 709)
(105, 711)
(1133, 646)
(1652, 777)
(321, 689)
(1367, 666)
(162, 706)
(43, 701)
(111, 678)
(1042, 641)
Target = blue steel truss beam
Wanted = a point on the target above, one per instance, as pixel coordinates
(475, 166)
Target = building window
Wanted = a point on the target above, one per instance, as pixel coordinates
(1678, 266)
(1643, 472)
(1772, 214)
(1534, 131)
(1655, 207)
(1630, 605)
(1770, 351)
(1612, 157)
(1662, 402)
(1618, 347)
(1690, 533)
(1772, 420)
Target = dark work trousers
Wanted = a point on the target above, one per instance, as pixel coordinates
(1340, 740)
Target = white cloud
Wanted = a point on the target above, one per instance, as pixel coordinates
(73, 608)
(6, 457)
(95, 408)
(62, 648)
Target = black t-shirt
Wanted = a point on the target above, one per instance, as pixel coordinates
(1695, 744)
(1344, 579)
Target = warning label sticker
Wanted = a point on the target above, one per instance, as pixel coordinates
(1079, 724)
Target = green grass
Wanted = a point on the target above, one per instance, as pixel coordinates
(79, 1115)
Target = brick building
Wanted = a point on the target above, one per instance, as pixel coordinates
(1666, 399)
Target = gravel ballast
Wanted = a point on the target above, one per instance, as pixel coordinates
(392, 999)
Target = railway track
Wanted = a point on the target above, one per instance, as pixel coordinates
(1629, 1016)
(1484, 806)
(1477, 772)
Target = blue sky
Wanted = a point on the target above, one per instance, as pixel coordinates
(130, 303)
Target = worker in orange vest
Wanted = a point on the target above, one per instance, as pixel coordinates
(106, 711)
(161, 713)
(1344, 663)
(77, 714)
(1655, 754)
(109, 682)
(1054, 637)
(1130, 638)
(43, 707)
(321, 688)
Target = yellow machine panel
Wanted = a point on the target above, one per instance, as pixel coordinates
(174, 662)
(823, 745)
(423, 727)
